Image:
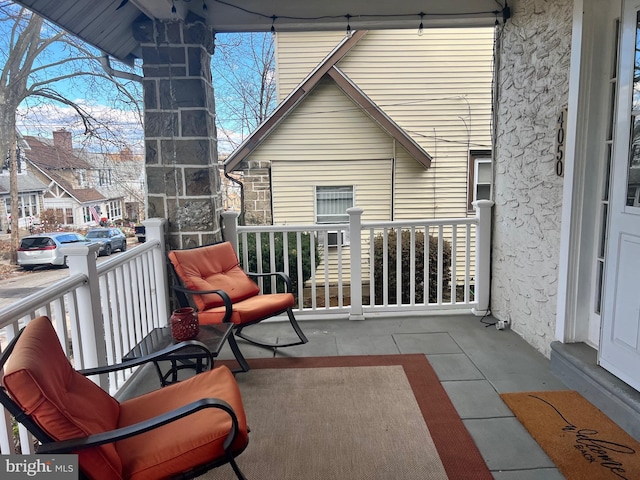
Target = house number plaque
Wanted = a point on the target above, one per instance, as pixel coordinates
(561, 129)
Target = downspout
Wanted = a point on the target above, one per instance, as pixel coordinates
(241, 185)
(495, 97)
(393, 182)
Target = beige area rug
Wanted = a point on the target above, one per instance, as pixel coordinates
(349, 422)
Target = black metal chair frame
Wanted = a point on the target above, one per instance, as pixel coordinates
(184, 298)
(51, 446)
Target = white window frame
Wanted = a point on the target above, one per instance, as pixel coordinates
(114, 210)
(28, 205)
(476, 158)
(104, 177)
(345, 216)
(82, 178)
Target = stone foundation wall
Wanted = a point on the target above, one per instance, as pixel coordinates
(257, 193)
(533, 85)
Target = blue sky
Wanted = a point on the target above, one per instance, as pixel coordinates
(37, 116)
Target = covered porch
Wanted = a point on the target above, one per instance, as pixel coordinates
(552, 233)
(475, 362)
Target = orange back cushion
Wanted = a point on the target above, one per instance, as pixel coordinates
(60, 400)
(214, 267)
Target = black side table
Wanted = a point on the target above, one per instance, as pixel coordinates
(212, 336)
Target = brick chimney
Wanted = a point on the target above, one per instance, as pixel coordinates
(62, 140)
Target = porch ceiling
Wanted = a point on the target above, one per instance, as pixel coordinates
(107, 24)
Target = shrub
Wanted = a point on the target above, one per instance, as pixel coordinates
(279, 258)
(51, 219)
(378, 245)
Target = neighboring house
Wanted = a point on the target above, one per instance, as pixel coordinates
(30, 192)
(388, 121)
(118, 175)
(69, 196)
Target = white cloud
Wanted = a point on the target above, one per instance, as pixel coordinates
(116, 128)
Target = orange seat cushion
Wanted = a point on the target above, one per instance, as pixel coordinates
(213, 267)
(193, 440)
(64, 403)
(250, 310)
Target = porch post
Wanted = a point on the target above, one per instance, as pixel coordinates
(155, 231)
(82, 260)
(230, 228)
(183, 179)
(483, 252)
(355, 244)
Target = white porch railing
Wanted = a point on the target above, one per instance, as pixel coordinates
(100, 312)
(356, 272)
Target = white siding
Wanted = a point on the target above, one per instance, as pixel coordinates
(437, 87)
(326, 126)
(297, 54)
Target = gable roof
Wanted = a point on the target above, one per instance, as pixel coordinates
(328, 68)
(81, 195)
(50, 160)
(381, 118)
(52, 157)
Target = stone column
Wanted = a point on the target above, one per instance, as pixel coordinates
(183, 184)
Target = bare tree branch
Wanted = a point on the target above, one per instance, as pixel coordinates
(244, 83)
(33, 68)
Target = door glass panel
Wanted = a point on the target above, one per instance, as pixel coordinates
(607, 173)
(633, 179)
(603, 229)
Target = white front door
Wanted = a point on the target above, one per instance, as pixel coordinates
(620, 341)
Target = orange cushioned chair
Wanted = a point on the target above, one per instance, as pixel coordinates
(181, 430)
(211, 280)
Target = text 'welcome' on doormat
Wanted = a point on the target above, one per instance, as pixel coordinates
(581, 440)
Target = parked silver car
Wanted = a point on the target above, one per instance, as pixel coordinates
(44, 248)
(110, 239)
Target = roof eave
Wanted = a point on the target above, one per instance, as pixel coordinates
(289, 103)
(380, 117)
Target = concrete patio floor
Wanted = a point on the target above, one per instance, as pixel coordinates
(474, 362)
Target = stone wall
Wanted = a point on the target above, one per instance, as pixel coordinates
(257, 193)
(533, 83)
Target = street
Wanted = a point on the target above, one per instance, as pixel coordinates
(25, 283)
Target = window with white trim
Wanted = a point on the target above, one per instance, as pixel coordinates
(104, 177)
(27, 205)
(114, 209)
(332, 203)
(480, 176)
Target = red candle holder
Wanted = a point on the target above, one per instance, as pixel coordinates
(184, 324)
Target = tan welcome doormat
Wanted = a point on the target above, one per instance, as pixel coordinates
(352, 418)
(581, 440)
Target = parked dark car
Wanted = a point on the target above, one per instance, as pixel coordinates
(44, 248)
(110, 240)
